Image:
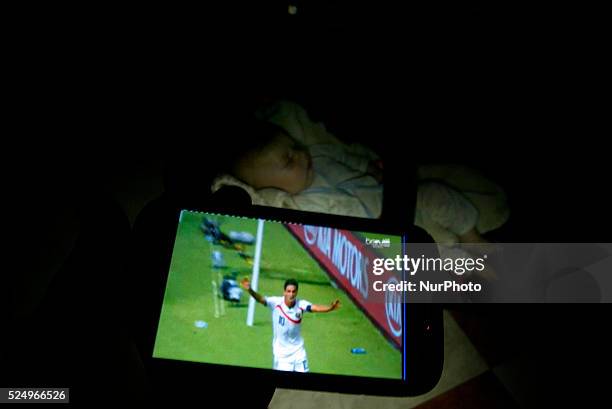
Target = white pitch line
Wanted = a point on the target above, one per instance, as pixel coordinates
(215, 300)
(221, 300)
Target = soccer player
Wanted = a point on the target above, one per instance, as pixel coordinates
(287, 313)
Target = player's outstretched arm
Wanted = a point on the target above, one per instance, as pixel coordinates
(326, 308)
(246, 284)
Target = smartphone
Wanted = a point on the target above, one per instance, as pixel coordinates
(311, 321)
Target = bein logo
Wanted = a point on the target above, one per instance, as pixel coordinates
(378, 243)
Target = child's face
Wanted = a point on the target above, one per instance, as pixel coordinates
(282, 164)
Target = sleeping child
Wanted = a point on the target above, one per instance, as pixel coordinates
(290, 161)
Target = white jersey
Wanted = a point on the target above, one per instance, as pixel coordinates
(287, 323)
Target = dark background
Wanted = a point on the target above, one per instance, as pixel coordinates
(102, 95)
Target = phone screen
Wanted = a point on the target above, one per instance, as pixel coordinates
(310, 308)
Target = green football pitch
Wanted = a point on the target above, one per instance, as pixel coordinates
(192, 295)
